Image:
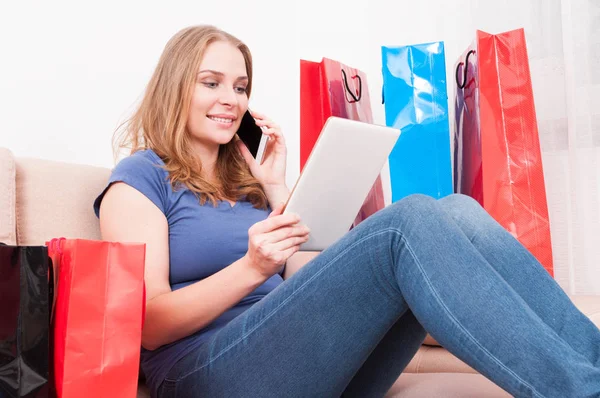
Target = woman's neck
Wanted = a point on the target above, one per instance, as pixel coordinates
(208, 158)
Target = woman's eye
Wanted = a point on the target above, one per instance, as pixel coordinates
(210, 84)
(240, 90)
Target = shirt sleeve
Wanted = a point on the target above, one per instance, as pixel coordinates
(142, 174)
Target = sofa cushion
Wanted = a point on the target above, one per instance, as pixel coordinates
(55, 199)
(7, 198)
(430, 341)
(411, 385)
(447, 385)
(431, 359)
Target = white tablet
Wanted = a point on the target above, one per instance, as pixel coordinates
(337, 177)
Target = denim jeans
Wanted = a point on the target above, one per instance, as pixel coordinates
(349, 321)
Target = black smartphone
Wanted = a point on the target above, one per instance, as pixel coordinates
(252, 136)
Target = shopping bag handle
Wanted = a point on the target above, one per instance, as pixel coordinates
(466, 63)
(54, 246)
(355, 97)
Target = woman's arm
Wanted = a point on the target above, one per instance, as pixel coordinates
(277, 195)
(297, 261)
(126, 215)
(271, 174)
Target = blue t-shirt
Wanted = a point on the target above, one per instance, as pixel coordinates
(203, 240)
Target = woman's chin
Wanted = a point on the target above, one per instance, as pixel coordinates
(226, 138)
(216, 136)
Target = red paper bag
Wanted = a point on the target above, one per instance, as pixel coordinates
(98, 317)
(330, 88)
(497, 156)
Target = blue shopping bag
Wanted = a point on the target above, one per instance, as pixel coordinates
(416, 102)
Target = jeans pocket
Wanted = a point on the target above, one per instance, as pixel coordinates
(168, 389)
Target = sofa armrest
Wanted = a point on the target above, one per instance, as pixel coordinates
(8, 228)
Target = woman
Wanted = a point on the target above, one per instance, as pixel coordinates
(234, 309)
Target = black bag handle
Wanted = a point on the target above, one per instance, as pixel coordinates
(355, 98)
(466, 63)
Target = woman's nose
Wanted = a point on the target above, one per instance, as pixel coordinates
(228, 96)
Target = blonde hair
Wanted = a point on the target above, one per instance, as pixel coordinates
(159, 123)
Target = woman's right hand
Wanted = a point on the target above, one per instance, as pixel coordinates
(272, 241)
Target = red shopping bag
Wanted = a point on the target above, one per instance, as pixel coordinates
(330, 88)
(497, 156)
(98, 317)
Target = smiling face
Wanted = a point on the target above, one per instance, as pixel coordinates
(219, 97)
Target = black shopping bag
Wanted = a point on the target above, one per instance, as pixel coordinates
(24, 321)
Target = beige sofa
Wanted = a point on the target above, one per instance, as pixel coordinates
(41, 199)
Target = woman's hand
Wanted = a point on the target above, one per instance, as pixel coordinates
(272, 241)
(271, 172)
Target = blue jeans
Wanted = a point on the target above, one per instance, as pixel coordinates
(349, 321)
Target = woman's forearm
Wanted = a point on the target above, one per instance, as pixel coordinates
(297, 261)
(277, 195)
(180, 313)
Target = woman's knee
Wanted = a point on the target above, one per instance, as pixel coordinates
(462, 206)
(418, 208)
(459, 201)
(458, 205)
(466, 212)
(416, 200)
(415, 205)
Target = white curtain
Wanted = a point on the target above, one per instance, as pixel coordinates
(564, 51)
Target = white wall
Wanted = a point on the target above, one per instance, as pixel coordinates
(71, 70)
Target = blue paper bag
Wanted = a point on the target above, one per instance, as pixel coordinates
(416, 102)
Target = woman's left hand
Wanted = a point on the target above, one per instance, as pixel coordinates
(271, 172)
